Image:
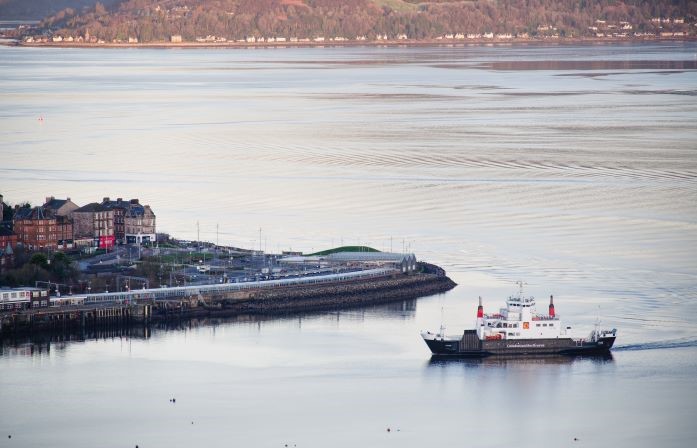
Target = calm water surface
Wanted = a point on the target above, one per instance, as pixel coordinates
(572, 168)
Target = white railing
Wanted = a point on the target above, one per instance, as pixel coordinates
(185, 291)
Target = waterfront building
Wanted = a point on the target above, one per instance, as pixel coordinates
(119, 206)
(133, 223)
(2, 206)
(93, 225)
(405, 262)
(36, 228)
(139, 223)
(23, 298)
(62, 209)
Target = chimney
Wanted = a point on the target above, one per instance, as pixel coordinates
(68, 198)
(134, 201)
(49, 199)
(551, 306)
(480, 309)
(119, 200)
(106, 199)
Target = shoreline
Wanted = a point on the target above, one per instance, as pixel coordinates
(263, 302)
(388, 43)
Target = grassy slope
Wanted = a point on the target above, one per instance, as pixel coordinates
(345, 249)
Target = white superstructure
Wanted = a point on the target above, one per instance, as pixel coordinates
(519, 320)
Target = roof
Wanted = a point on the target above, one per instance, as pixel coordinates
(4, 231)
(55, 204)
(33, 213)
(116, 204)
(139, 210)
(375, 257)
(135, 210)
(92, 207)
(370, 256)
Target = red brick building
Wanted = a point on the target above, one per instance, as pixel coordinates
(36, 228)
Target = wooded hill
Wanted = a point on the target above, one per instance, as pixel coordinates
(158, 20)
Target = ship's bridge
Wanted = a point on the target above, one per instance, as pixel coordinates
(519, 308)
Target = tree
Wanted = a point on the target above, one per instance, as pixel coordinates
(99, 9)
(39, 260)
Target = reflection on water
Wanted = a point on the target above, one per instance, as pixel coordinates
(508, 361)
(42, 343)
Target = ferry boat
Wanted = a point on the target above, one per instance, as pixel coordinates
(518, 330)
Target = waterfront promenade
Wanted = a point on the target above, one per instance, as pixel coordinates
(311, 293)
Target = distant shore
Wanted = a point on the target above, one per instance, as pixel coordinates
(381, 43)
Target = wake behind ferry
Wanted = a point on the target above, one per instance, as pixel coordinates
(519, 330)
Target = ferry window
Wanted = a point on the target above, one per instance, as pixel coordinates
(544, 325)
(517, 334)
(537, 325)
(515, 325)
(510, 334)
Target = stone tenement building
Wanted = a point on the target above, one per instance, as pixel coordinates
(119, 206)
(94, 226)
(39, 228)
(133, 223)
(2, 206)
(139, 222)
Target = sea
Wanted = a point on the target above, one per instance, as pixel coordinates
(570, 168)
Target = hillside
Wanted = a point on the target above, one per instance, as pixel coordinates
(38, 9)
(226, 20)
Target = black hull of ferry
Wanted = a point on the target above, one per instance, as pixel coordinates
(467, 347)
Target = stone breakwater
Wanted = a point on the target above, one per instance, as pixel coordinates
(325, 297)
(282, 300)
